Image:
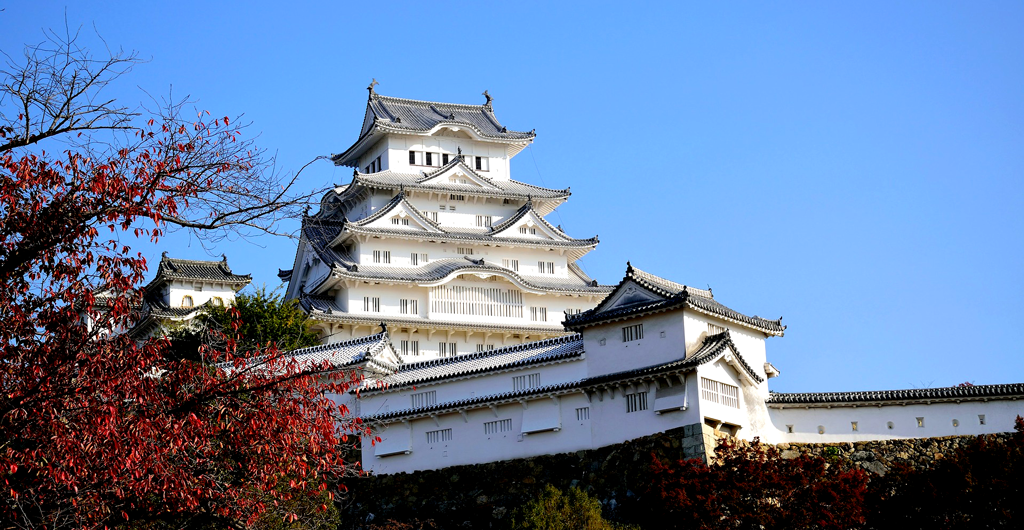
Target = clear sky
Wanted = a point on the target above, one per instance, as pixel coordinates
(856, 167)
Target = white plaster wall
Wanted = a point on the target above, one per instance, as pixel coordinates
(395, 150)
(616, 356)
(611, 424)
(872, 421)
(178, 289)
(724, 373)
(470, 445)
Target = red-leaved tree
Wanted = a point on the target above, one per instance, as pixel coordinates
(96, 429)
(752, 486)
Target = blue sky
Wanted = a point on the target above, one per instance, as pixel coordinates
(855, 168)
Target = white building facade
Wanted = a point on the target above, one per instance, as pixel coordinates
(481, 340)
(434, 238)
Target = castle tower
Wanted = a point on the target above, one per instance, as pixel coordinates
(433, 237)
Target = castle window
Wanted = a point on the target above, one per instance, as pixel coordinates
(217, 301)
(636, 402)
(410, 347)
(412, 158)
(430, 159)
(545, 266)
(527, 230)
(424, 399)
(480, 163)
(484, 347)
(444, 159)
(433, 216)
(377, 162)
(447, 349)
(483, 220)
(465, 251)
(382, 256)
(480, 301)
(408, 307)
(498, 426)
(634, 332)
(186, 301)
(583, 413)
(539, 314)
(715, 329)
(512, 264)
(721, 393)
(371, 304)
(400, 221)
(525, 382)
(456, 197)
(443, 435)
(416, 259)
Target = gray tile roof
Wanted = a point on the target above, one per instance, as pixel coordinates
(398, 115)
(677, 295)
(560, 388)
(338, 355)
(567, 347)
(509, 189)
(952, 393)
(187, 269)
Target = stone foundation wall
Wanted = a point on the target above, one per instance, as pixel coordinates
(486, 495)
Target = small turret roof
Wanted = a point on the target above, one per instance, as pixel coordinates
(188, 269)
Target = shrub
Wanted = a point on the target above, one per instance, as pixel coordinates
(554, 510)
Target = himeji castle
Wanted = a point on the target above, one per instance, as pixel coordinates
(436, 274)
(434, 238)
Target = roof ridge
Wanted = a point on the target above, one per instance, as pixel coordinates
(427, 102)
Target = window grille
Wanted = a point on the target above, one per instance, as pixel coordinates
(447, 349)
(424, 399)
(525, 382)
(539, 314)
(721, 393)
(512, 264)
(583, 413)
(409, 306)
(498, 426)
(382, 256)
(430, 159)
(637, 401)
(186, 301)
(410, 347)
(465, 251)
(412, 158)
(714, 329)
(546, 266)
(483, 220)
(456, 197)
(400, 221)
(484, 347)
(443, 435)
(478, 301)
(634, 332)
(371, 304)
(527, 230)
(433, 216)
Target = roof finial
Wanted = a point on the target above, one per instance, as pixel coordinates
(460, 151)
(164, 254)
(373, 83)
(224, 258)
(489, 99)
(305, 211)
(383, 327)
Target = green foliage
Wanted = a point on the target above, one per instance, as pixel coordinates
(554, 510)
(263, 318)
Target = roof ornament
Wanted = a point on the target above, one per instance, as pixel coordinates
(383, 327)
(305, 211)
(460, 151)
(504, 129)
(164, 254)
(489, 99)
(373, 83)
(451, 115)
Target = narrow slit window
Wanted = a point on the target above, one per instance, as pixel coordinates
(442, 435)
(634, 332)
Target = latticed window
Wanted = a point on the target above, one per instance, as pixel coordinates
(637, 401)
(382, 256)
(512, 264)
(634, 332)
(527, 230)
(483, 220)
(546, 267)
(408, 307)
(465, 251)
(410, 347)
(443, 435)
(539, 314)
(498, 426)
(477, 301)
(424, 399)
(404, 221)
(525, 382)
(718, 392)
(447, 349)
(583, 413)
(371, 304)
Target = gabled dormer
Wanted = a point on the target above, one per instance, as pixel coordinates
(397, 214)
(458, 173)
(527, 223)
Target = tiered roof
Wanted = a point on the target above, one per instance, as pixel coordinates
(668, 296)
(170, 269)
(374, 352)
(386, 114)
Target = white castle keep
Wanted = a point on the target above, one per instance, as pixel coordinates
(436, 273)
